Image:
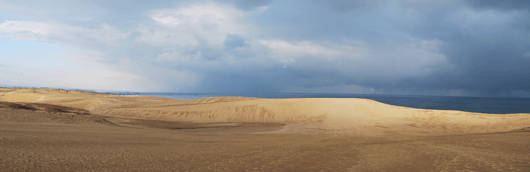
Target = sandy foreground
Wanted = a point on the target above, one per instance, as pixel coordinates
(59, 130)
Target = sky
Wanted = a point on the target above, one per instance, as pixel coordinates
(407, 47)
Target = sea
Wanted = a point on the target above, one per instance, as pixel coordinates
(468, 104)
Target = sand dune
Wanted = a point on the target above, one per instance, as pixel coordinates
(58, 130)
(308, 115)
(47, 114)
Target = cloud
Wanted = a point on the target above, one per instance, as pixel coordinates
(128, 73)
(176, 57)
(69, 76)
(484, 45)
(233, 41)
(504, 5)
(484, 22)
(188, 26)
(96, 56)
(415, 57)
(63, 34)
(197, 13)
(347, 5)
(402, 47)
(288, 53)
(526, 55)
(248, 5)
(326, 67)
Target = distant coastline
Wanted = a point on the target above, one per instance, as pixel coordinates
(493, 105)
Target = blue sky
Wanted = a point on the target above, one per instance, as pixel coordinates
(451, 47)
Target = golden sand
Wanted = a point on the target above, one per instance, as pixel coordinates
(59, 130)
(305, 115)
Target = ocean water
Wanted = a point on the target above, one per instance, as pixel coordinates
(469, 104)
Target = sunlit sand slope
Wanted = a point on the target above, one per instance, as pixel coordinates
(311, 115)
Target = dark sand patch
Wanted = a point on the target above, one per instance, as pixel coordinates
(47, 113)
(527, 129)
(210, 128)
(176, 124)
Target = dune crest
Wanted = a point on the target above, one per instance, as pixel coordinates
(307, 115)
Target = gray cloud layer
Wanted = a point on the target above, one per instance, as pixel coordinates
(396, 47)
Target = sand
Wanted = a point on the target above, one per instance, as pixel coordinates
(59, 130)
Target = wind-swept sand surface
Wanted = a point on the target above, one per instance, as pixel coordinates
(59, 130)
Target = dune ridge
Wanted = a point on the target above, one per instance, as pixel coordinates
(306, 115)
(47, 114)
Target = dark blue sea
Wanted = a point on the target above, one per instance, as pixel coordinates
(469, 104)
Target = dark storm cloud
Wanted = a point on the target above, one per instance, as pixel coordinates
(487, 53)
(494, 67)
(484, 41)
